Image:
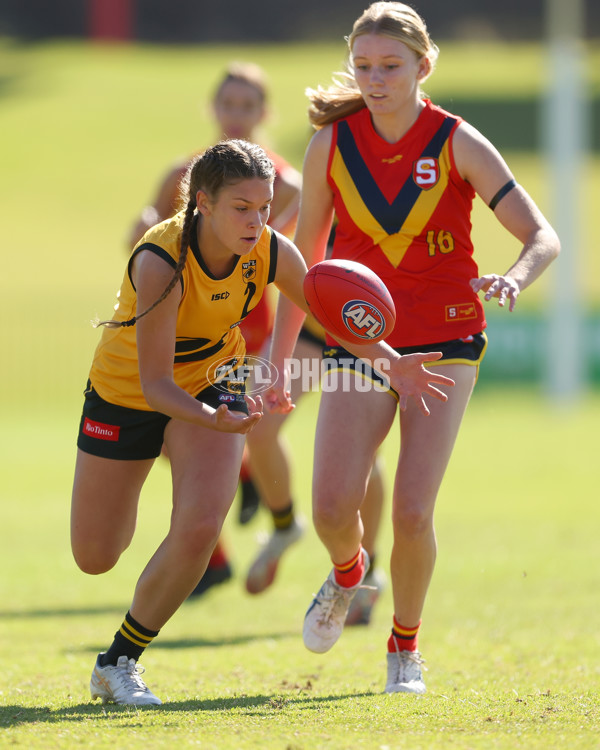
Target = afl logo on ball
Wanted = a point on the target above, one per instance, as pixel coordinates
(363, 320)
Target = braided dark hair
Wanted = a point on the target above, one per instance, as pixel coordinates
(223, 164)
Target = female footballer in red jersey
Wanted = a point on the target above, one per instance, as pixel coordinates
(188, 284)
(400, 175)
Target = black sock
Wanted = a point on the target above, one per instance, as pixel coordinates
(283, 519)
(130, 640)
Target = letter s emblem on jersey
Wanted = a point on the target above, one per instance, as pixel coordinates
(426, 172)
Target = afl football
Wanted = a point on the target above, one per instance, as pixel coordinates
(350, 301)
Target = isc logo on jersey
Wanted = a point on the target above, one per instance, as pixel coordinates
(426, 172)
(362, 319)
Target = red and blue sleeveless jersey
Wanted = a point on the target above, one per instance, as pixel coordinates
(405, 212)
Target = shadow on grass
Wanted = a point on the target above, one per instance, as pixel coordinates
(15, 715)
(23, 614)
(234, 640)
(166, 644)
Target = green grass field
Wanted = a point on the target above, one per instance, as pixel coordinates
(510, 630)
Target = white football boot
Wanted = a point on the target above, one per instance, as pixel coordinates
(325, 618)
(264, 568)
(405, 673)
(121, 684)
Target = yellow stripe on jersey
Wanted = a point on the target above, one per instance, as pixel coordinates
(393, 244)
(357, 209)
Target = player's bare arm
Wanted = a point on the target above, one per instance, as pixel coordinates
(155, 337)
(484, 168)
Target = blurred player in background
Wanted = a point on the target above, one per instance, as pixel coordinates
(239, 106)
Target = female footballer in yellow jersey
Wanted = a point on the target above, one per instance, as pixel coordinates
(164, 326)
(207, 306)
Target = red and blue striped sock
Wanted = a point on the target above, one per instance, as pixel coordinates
(350, 573)
(402, 638)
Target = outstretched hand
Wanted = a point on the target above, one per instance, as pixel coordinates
(503, 287)
(278, 398)
(235, 421)
(279, 401)
(409, 378)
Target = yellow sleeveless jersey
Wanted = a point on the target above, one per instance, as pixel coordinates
(207, 330)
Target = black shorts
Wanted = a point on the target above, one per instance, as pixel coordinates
(311, 338)
(467, 351)
(112, 431)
